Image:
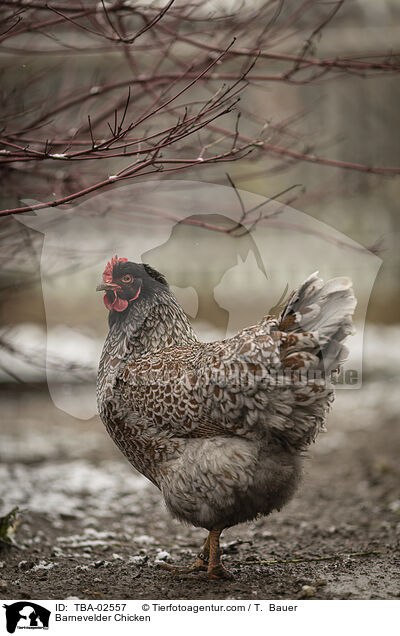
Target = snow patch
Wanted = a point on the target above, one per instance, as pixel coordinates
(144, 539)
(42, 565)
(75, 489)
(162, 557)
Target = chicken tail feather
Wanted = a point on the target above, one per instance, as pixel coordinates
(326, 310)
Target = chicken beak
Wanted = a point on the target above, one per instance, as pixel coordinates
(107, 287)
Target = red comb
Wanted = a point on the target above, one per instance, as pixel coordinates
(108, 272)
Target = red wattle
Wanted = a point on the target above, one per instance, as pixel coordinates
(118, 304)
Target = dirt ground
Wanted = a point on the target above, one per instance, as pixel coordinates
(92, 528)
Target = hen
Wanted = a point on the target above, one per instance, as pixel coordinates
(218, 427)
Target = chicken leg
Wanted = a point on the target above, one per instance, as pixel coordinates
(209, 558)
(202, 558)
(215, 568)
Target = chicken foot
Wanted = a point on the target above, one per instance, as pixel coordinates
(200, 564)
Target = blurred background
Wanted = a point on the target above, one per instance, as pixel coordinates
(100, 110)
(123, 132)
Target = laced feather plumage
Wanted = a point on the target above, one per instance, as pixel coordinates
(220, 427)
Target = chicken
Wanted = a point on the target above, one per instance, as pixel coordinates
(218, 427)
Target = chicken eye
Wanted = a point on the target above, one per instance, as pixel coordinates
(127, 278)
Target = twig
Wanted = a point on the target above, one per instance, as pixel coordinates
(332, 557)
